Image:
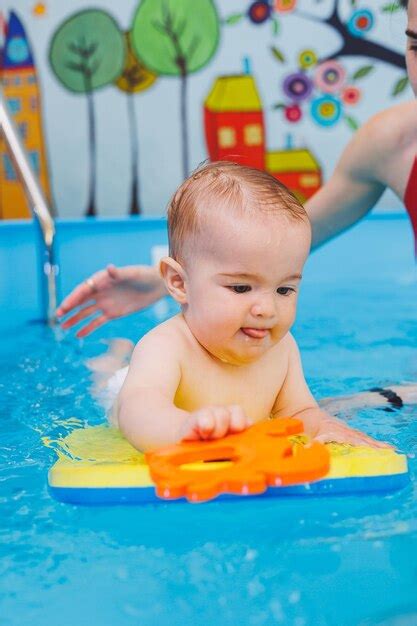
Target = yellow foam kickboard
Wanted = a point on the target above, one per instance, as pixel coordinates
(99, 456)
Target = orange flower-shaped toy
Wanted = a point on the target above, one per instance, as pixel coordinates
(246, 463)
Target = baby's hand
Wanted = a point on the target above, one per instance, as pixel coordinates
(214, 422)
(335, 430)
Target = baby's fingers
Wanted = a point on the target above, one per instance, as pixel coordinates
(206, 424)
(364, 440)
(352, 437)
(221, 416)
(197, 426)
(357, 438)
(238, 419)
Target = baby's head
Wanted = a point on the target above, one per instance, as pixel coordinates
(225, 188)
(238, 242)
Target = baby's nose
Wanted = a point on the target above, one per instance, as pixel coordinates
(264, 307)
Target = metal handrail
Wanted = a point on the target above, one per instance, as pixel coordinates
(39, 207)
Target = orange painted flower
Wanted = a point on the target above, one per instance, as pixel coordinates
(39, 9)
(285, 6)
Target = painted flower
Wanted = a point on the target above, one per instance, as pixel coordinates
(297, 86)
(360, 22)
(307, 58)
(293, 113)
(285, 6)
(351, 95)
(326, 111)
(259, 11)
(330, 76)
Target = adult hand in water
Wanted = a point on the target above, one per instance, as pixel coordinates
(111, 293)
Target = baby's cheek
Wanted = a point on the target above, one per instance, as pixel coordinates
(288, 313)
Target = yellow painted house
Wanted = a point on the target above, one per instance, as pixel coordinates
(23, 98)
(297, 169)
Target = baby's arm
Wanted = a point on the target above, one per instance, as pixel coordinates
(147, 415)
(295, 400)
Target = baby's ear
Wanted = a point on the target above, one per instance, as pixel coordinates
(174, 277)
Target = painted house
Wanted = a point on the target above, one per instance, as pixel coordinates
(235, 130)
(297, 169)
(234, 121)
(22, 94)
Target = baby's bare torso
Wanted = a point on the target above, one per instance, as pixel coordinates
(205, 380)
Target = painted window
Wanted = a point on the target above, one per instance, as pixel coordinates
(31, 79)
(18, 50)
(309, 180)
(23, 128)
(9, 170)
(17, 80)
(33, 103)
(34, 159)
(252, 134)
(226, 137)
(15, 104)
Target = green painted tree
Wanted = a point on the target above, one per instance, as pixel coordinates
(88, 52)
(176, 38)
(134, 78)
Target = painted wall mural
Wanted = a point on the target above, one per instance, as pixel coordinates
(278, 84)
(20, 85)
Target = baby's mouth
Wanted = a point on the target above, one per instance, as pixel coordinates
(255, 333)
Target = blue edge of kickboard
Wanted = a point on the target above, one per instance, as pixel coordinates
(146, 495)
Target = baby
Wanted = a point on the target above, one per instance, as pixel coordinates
(238, 243)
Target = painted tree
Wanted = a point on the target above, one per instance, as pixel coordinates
(323, 85)
(134, 78)
(86, 53)
(352, 32)
(176, 38)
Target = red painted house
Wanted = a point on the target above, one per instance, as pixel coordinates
(234, 121)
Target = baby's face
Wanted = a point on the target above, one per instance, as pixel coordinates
(242, 283)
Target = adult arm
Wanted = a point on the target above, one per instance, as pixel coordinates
(354, 187)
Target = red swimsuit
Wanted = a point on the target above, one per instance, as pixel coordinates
(410, 199)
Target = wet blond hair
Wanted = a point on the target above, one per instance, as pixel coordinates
(230, 186)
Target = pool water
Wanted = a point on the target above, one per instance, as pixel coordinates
(320, 561)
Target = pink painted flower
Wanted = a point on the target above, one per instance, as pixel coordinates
(330, 76)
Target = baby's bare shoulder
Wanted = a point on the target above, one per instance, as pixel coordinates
(168, 337)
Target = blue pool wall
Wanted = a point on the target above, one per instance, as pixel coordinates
(85, 246)
(82, 247)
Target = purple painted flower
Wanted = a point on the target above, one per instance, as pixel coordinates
(259, 11)
(297, 87)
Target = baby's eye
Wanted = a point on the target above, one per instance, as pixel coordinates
(240, 288)
(284, 291)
